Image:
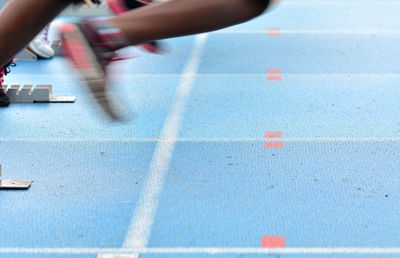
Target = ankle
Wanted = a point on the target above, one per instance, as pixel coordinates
(106, 34)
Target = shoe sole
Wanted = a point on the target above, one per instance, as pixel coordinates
(79, 51)
(37, 52)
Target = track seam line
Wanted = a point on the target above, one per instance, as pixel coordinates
(140, 227)
(341, 1)
(204, 250)
(206, 140)
(263, 74)
(311, 32)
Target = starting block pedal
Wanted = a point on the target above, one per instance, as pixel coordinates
(39, 94)
(14, 184)
(26, 55)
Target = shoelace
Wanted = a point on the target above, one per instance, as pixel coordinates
(6, 70)
(46, 33)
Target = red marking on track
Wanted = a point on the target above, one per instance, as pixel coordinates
(273, 144)
(274, 75)
(274, 71)
(273, 135)
(273, 242)
(274, 32)
(274, 78)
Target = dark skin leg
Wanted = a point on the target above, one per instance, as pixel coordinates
(19, 24)
(185, 17)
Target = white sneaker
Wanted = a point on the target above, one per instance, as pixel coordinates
(41, 45)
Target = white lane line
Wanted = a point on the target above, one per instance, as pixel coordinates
(205, 250)
(205, 140)
(140, 228)
(124, 77)
(313, 32)
(380, 2)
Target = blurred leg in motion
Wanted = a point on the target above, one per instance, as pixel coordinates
(91, 44)
(122, 6)
(184, 17)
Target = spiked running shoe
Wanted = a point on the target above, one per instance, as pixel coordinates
(41, 45)
(90, 57)
(121, 6)
(4, 100)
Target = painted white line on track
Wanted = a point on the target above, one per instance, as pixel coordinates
(140, 228)
(205, 250)
(313, 32)
(263, 74)
(379, 2)
(122, 77)
(200, 140)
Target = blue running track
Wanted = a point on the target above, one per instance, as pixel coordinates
(190, 174)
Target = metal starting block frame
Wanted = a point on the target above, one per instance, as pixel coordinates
(14, 184)
(26, 55)
(40, 94)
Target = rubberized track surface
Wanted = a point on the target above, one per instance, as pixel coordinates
(192, 174)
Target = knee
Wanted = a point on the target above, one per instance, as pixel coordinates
(257, 7)
(251, 8)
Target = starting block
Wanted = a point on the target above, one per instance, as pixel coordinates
(39, 94)
(26, 55)
(14, 184)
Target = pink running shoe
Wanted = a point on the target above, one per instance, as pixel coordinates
(4, 100)
(90, 54)
(121, 6)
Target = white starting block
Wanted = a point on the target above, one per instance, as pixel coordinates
(26, 55)
(14, 184)
(39, 94)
